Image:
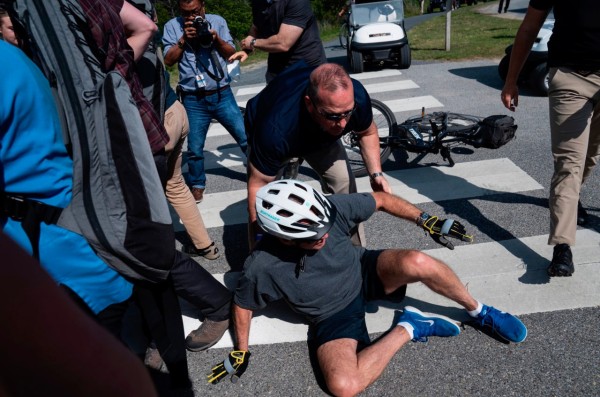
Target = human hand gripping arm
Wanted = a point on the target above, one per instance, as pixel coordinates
(237, 361)
(437, 228)
(139, 29)
(526, 35)
(369, 150)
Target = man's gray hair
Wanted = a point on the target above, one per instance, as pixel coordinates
(329, 77)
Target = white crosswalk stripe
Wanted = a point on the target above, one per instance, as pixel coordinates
(421, 185)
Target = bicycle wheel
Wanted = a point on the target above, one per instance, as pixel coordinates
(385, 121)
(343, 36)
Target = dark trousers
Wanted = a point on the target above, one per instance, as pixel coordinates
(197, 286)
(161, 314)
(505, 6)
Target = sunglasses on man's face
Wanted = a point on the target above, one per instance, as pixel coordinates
(334, 116)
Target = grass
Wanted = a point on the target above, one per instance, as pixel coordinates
(473, 36)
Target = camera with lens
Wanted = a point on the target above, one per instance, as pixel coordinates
(202, 27)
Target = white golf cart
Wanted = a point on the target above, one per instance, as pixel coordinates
(535, 70)
(376, 35)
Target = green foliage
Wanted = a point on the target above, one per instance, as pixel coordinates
(237, 13)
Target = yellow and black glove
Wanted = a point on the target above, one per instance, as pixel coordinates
(439, 229)
(235, 365)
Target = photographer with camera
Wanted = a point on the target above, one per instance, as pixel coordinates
(202, 45)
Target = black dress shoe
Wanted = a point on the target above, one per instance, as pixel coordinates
(562, 262)
(582, 214)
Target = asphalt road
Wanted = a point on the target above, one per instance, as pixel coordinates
(561, 356)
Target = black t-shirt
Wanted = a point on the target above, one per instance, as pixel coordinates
(279, 126)
(575, 40)
(268, 15)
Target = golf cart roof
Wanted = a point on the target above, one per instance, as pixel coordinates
(375, 12)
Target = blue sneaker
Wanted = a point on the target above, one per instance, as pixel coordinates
(504, 324)
(428, 324)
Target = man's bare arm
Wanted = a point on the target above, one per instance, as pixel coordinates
(369, 149)
(256, 180)
(139, 29)
(396, 206)
(526, 35)
(242, 319)
(285, 39)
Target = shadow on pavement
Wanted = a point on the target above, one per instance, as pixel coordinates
(487, 75)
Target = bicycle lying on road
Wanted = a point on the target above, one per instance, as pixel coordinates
(431, 133)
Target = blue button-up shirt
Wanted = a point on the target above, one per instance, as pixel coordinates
(191, 62)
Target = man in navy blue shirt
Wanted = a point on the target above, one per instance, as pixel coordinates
(303, 113)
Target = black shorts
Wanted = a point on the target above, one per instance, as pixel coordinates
(350, 321)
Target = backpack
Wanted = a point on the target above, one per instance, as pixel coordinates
(495, 131)
(118, 203)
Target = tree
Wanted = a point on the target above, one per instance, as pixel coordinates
(237, 13)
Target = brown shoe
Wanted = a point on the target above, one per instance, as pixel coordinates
(207, 334)
(211, 252)
(198, 194)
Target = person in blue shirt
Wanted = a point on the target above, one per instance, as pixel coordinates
(203, 81)
(35, 165)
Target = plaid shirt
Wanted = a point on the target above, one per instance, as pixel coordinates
(114, 53)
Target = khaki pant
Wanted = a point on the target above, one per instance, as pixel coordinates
(178, 193)
(575, 132)
(331, 163)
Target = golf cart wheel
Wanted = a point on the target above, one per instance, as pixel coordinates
(405, 57)
(539, 79)
(357, 62)
(503, 67)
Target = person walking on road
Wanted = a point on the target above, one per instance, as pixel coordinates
(506, 4)
(308, 260)
(574, 99)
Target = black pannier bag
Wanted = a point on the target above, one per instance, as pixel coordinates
(495, 131)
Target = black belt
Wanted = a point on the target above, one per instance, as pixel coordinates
(30, 213)
(203, 93)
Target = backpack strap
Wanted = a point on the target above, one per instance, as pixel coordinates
(31, 214)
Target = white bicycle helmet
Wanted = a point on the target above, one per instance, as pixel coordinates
(292, 210)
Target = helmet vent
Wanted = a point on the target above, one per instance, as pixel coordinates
(284, 213)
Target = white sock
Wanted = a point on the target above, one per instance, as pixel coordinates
(408, 327)
(475, 313)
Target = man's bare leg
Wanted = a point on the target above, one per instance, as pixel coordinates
(347, 372)
(401, 267)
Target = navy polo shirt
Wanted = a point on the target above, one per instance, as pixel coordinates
(279, 126)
